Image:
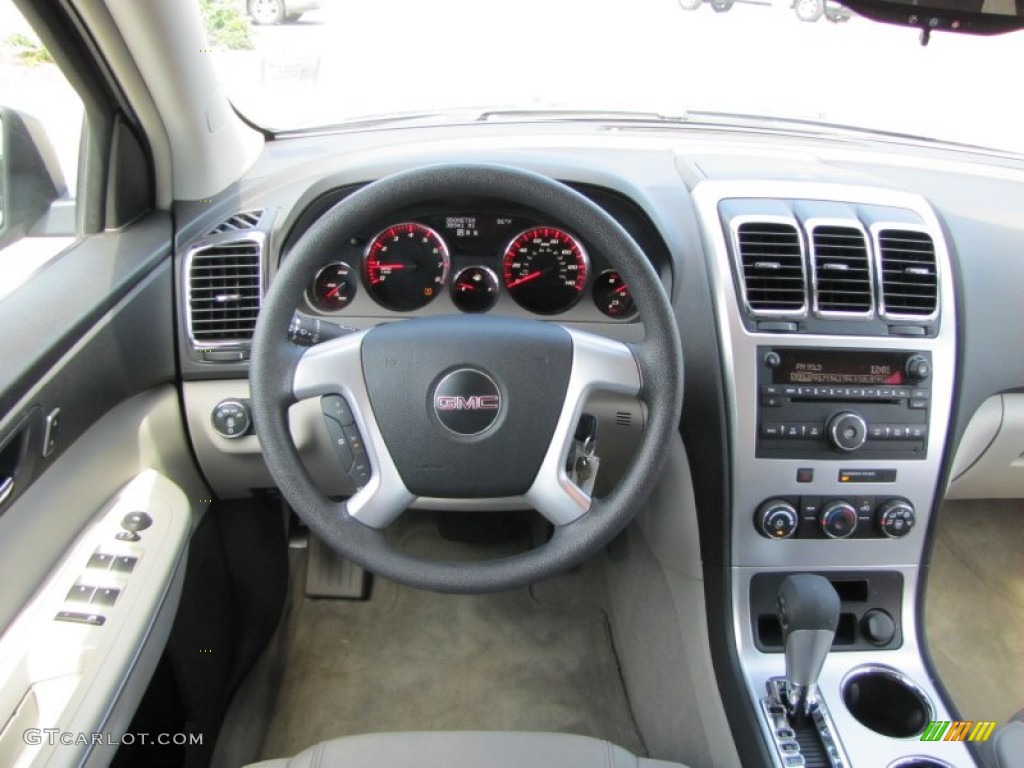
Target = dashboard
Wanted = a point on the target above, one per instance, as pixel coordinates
(833, 300)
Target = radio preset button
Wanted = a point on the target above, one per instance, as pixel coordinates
(878, 431)
(917, 431)
(771, 430)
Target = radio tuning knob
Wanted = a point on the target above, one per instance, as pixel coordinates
(918, 368)
(847, 431)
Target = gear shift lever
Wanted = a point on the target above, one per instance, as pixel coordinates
(809, 613)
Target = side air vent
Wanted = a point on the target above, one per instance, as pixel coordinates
(910, 285)
(773, 268)
(842, 272)
(223, 293)
(237, 223)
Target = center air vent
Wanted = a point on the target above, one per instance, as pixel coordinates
(842, 275)
(237, 223)
(223, 283)
(909, 274)
(773, 268)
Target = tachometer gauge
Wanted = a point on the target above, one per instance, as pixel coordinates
(545, 270)
(611, 295)
(406, 266)
(333, 288)
(475, 289)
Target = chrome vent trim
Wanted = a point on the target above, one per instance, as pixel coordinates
(224, 292)
(240, 222)
(770, 261)
(908, 273)
(841, 271)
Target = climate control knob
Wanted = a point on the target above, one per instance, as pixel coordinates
(838, 519)
(895, 518)
(776, 519)
(847, 431)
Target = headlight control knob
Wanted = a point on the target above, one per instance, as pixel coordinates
(847, 431)
(895, 518)
(231, 418)
(838, 519)
(776, 519)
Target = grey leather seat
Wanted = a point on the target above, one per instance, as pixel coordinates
(472, 749)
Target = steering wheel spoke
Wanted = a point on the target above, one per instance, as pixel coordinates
(335, 368)
(598, 364)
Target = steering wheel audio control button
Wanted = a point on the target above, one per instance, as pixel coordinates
(360, 471)
(340, 442)
(337, 408)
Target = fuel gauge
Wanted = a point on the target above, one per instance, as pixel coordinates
(611, 295)
(475, 289)
(333, 288)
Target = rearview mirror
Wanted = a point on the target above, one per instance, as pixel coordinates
(30, 175)
(979, 17)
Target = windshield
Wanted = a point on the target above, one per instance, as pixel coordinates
(349, 60)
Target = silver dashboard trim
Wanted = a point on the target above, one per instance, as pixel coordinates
(753, 479)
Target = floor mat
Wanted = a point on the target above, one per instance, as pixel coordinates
(974, 607)
(412, 660)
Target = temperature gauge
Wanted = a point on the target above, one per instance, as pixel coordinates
(333, 288)
(475, 289)
(611, 295)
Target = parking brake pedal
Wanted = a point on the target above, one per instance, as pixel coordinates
(329, 574)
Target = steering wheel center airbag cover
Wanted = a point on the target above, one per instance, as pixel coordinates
(452, 436)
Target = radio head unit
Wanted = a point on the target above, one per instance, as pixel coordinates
(832, 403)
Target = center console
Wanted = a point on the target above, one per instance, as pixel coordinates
(836, 323)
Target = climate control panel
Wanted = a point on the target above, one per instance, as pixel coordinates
(825, 517)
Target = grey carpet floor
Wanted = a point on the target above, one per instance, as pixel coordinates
(974, 607)
(411, 660)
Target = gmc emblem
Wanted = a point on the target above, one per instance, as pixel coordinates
(472, 403)
(467, 402)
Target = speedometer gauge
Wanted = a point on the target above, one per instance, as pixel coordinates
(545, 270)
(405, 266)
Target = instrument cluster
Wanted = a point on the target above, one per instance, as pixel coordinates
(477, 259)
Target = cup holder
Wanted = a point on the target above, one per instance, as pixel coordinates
(919, 762)
(887, 702)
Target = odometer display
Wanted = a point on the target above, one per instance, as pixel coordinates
(406, 266)
(545, 270)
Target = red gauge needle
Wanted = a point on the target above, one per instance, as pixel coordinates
(527, 278)
(467, 287)
(621, 289)
(389, 266)
(333, 292)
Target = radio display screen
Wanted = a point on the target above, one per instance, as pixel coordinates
(816, 367)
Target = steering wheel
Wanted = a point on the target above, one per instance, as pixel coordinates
(465, 407)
